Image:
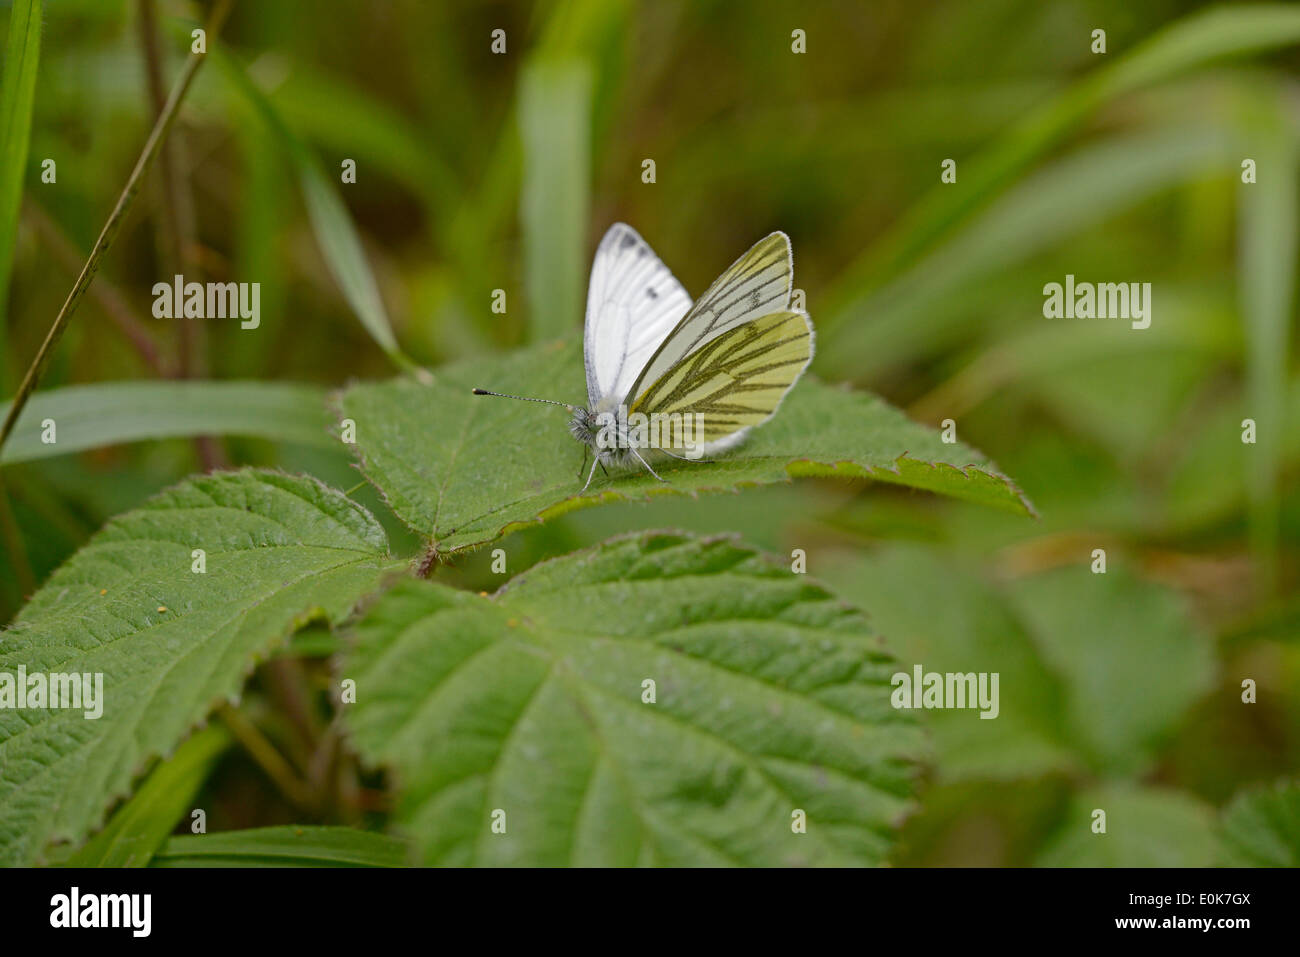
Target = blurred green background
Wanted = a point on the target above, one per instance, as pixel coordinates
(478, 171)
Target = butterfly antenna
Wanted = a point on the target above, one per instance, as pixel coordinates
(525, 398)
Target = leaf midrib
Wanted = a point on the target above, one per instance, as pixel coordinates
(527, 633)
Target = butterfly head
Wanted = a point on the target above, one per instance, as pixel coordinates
(583, 426)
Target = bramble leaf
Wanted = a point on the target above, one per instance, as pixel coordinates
(140, 827)
(1144, 827)
(1261, 828)
(465, 470)
(170, 642)
(531, 710)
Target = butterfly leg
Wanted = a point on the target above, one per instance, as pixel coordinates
(684, 458)
(583, 467)
(590, 474)
(647, 465)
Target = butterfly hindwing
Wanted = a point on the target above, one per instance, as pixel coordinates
(736, 380)
(633, 303)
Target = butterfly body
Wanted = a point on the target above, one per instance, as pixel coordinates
(585, 427)
(665, 375)
(608, 438)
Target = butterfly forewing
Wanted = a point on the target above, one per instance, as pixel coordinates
(633, 302)
(756, 284)
(736, 380)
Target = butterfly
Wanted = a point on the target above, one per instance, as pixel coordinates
(666, 374)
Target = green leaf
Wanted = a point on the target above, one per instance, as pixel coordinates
(170, 643)
(770, 696)
(467, 469)
(1208, 474)
(141, 826)
(1261, 828)
(1095, 671)
(17, 94)
(1146, 385)
(1145, 827)
(1132, 658)
(330, 220)
(555, 129)
(945, 618)
(283, 847)
(110, 413)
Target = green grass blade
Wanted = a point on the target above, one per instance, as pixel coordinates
(141, 825)
(346, 258)
(1184, 46)
(1266, 252)
(17, 93)
(555, 129)
(284, 847)
(331, 222)
(344, 120)
(900, 321)
(113, 225)
(92, 416)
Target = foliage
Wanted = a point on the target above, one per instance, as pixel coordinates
(1160, 691)
(660, 699)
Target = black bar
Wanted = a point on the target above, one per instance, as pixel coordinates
(866, 908)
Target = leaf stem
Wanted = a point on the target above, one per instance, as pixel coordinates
(176, 226)
(288, 686)
(114, 223)
(264, 753)
(109, 297)
(15, 545)
(428, 562)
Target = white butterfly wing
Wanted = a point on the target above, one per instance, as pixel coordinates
(633, 303)
(757, 284)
